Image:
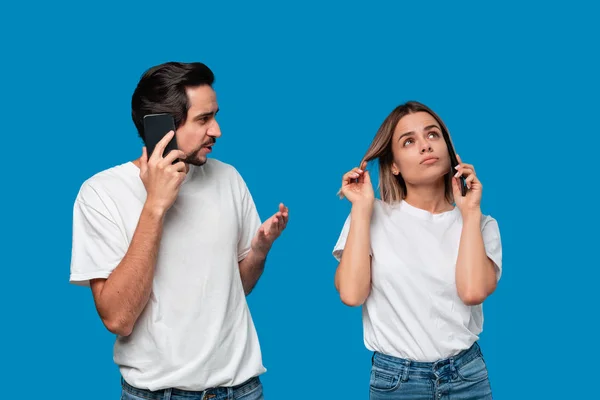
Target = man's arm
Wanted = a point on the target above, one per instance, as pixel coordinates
(253, 265)
(251, 268)
(121, 298)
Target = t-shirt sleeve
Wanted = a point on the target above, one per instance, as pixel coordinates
(250, 220)
(341, 242)
(493, 244)
(98, 244)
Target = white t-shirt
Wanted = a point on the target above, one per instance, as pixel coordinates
(196, 330)
(413, 310)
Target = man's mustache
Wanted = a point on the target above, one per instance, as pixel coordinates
(210, 143)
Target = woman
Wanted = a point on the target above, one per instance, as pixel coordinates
(421, 261)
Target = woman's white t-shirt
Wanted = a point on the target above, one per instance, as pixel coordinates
(413, 310)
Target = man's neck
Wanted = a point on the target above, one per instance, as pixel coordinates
(138, 164)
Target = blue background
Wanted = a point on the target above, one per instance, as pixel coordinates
(302, 89)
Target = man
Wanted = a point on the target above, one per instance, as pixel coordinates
(171, 249)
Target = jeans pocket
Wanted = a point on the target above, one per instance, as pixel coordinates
(125, 395)
(473, 371)
(383, 380)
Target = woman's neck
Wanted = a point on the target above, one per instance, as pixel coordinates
(430, 198)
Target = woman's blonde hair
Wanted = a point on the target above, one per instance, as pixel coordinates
(392, 187)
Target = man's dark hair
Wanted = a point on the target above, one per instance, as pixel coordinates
(161, 89)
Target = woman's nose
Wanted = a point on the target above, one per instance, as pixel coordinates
(426, 148)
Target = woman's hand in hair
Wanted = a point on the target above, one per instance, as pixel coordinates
(357, 187)
(471, 202)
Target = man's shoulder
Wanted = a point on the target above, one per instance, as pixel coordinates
(222, 168)
(109, 180)
(219, 165)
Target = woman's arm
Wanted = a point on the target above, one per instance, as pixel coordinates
(353, 275)
(475, 271)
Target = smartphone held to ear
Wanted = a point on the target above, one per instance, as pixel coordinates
(453, 163)
(156, 126)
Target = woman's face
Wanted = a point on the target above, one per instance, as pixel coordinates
(420, 152)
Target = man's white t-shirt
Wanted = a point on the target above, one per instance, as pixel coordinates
(413, 310)
(196, 331)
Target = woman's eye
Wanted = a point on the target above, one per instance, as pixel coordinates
(407, 142)
(434, 134)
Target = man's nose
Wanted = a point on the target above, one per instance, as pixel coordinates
(214, 130)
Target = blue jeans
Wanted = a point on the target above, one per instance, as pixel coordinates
(250, 390)
(462, 377)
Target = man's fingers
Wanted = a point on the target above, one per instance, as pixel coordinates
(275, 223)
(282, 207)
(278, 222)
(144, 160)
(179, 167)
(261, 231)
(285, 212)
(161, 145)
(172, 157)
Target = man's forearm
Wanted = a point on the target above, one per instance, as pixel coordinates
(126, 291)
(251, 268)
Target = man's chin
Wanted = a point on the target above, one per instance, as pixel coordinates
(197, 161)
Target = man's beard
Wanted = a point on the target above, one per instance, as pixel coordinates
(193, 158)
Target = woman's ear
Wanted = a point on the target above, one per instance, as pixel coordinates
(395, 169)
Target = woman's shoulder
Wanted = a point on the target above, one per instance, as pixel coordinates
(488, 222)
(383, 209)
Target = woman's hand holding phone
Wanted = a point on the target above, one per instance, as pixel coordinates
(471, 201)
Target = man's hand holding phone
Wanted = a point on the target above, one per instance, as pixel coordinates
(161, 177)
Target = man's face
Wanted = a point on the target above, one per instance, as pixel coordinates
(200, 131)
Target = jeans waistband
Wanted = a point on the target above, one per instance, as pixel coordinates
(167, 393)
(394, 363)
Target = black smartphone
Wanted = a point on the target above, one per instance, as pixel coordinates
(453, 163)
(156, 126)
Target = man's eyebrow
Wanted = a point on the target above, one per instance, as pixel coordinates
(206, 114)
